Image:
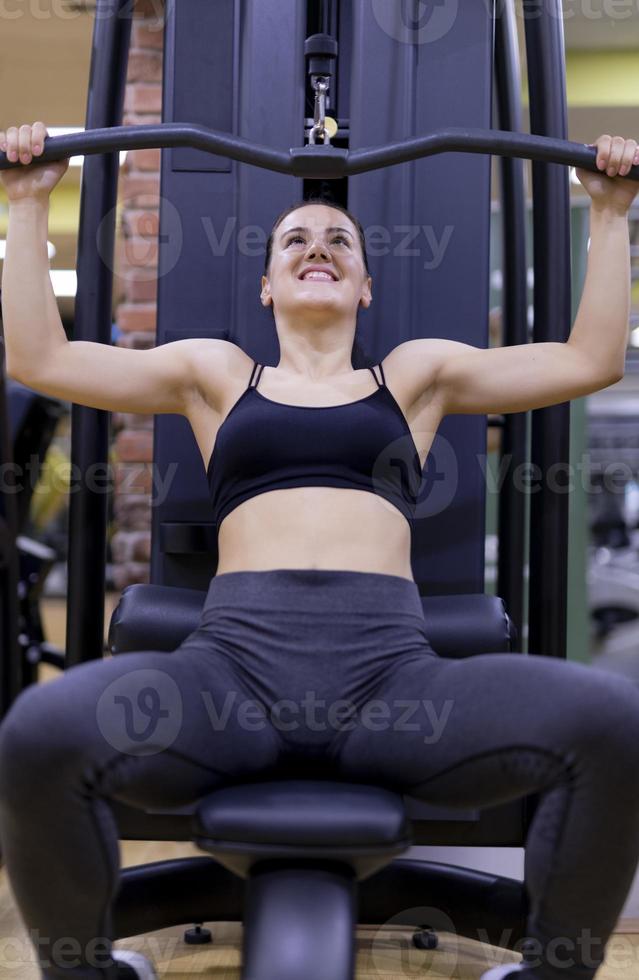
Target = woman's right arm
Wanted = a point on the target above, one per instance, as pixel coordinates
(163, 379)
(39, 355)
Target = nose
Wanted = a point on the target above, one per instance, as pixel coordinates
(318, 248)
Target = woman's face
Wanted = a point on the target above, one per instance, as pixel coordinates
(317, 237)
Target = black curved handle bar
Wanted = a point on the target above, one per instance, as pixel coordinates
(319, 161)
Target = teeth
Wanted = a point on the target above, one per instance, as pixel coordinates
(318, 275)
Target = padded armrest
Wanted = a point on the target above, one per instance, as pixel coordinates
(160, 617)
(154, 617)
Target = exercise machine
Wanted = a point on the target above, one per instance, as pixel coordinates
(412, 157)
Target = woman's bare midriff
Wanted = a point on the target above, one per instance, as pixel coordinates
(327, 528)
(315, 527)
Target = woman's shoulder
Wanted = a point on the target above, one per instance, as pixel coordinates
(412, 367)
(218, 366)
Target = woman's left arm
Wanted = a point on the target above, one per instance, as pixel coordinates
(606, 294)
(527, 376)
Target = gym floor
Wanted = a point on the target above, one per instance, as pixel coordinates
(383, 952)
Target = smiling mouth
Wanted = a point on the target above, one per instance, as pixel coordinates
(311, 278)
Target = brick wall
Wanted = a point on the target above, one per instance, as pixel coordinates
(135, 293)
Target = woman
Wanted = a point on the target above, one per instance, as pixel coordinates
(313, 619)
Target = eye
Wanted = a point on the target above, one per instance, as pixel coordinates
(337, 238)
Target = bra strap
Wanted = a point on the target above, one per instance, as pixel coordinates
(381, 384)
(255, 367)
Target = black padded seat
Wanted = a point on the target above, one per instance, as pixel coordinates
(361, 826)
(303, 845)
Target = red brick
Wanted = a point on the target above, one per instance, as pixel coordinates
(144, 160)
(132, 510)
(151, 9)
(144, 222)
(142, 290)
(123, 276)
(144, 66)
(141, 253)
(127, 420)
(137, 340)
(122, 547)
(134, 446)
(141, 119)
(131, 573)
(139, 190)
(148, 34)
(134, 479)
(119, 286)
(142, 547)
(143, 97)
(137, 316)
(131, 546)
(135, 293)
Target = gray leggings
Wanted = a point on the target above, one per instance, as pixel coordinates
(329, 674)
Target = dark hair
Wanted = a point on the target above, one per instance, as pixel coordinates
(359, 356)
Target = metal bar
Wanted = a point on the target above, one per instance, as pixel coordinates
(320, 162)
(12, 668)
(512, 503)
(325, 16)
(548, 593)
(93, 322)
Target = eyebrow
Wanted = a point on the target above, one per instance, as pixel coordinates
(291, 230)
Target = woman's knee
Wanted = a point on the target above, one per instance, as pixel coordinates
(37, 737)
(604, 710)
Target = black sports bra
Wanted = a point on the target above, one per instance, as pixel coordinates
(265, 445)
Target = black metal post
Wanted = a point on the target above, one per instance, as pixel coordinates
(512, 503)
(93, 322)
(548, 585)
(12, 669)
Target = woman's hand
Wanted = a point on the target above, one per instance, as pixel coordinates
(32, 180)
(609, 190)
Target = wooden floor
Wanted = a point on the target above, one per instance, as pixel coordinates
(383, 952)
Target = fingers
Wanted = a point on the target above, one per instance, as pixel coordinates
(23, 143)
(631, 150)
(616, 155)
(39, 134)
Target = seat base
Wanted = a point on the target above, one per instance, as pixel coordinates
(299, 922)
(362, 827)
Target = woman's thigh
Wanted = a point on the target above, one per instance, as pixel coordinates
(485, 729)
(146, 727)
